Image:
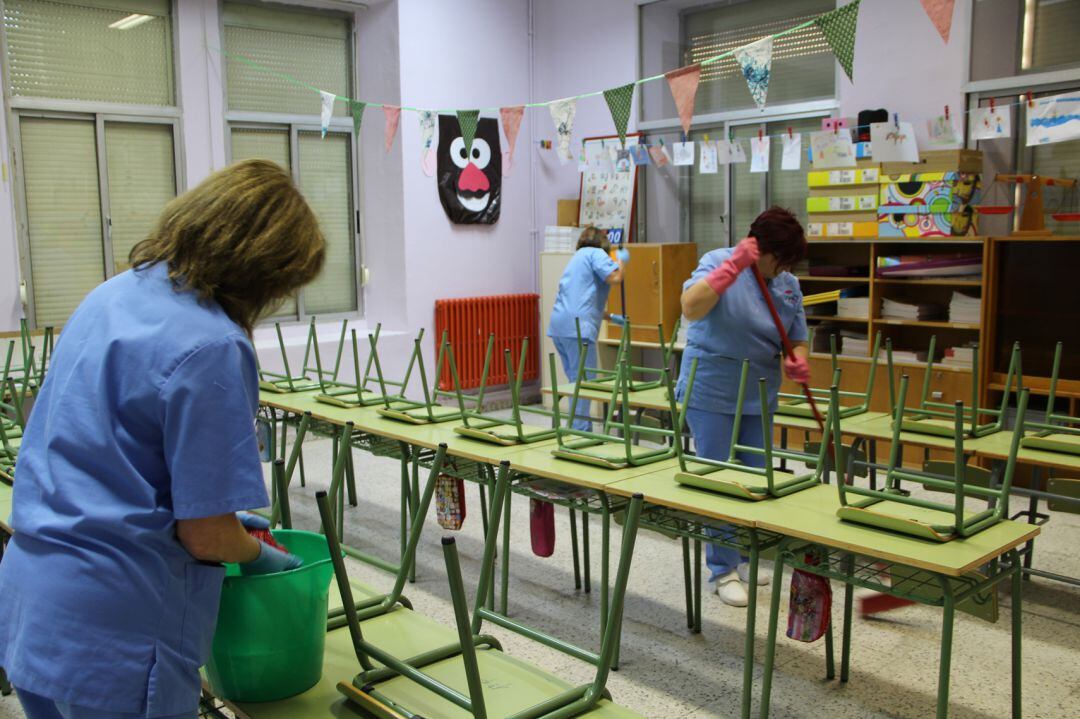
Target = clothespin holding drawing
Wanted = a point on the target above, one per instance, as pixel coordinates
(896, 121)
(1030, 99)
(991, 104)
(685, 138)
(946, 112)
(706, 139)
(790, 134)
(731, 133)
(760, 134)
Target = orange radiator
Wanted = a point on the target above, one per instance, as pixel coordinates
(470, 320)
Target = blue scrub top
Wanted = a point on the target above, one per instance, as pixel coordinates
(739, 327)
(583, 292)
(146, 417)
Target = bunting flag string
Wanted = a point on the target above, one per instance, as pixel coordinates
(683, 84)
(619, 100)
(755, 60)
(393, 116)
(511, 123)
(940, 12)
(562, 114)
(838, 27)
(356, 109)
(467, 121)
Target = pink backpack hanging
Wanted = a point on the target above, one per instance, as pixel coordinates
(542, 527)
(450, 502)
(810, 607)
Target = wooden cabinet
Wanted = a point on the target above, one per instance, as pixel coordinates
(552, 265)
(653, 281)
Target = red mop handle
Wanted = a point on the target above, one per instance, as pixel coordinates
(786, 342)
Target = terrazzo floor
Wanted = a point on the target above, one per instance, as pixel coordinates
(668, 672)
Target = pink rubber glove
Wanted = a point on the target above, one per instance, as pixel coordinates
(797, 369)
(746, 253)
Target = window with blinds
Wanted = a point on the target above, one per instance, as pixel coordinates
(802, 64)
(315, 49)
(91, 50)
(1015, 37)
(311, 47)
(1050, 40)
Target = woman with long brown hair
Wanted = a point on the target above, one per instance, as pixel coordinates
(139, 452)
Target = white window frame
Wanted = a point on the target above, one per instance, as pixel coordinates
(245, 119)
(100, 113)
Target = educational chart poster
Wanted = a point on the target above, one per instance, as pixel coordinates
(607, 195)
(990, 123)
(832, 148)
(469, 179)
(893, 142)
(1054, 119)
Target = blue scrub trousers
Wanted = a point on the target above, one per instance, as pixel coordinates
(568, 350)
(712, 440)
(38, 707)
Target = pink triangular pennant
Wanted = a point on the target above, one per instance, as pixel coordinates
(684, 83)
(393, 115)
(511, 123)
(940, 12)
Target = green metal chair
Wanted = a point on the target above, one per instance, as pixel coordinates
(359, 393)
(9, 449)
(893, 509)
(283, 383)
(1056, 432)
(936, 418)
(488, 428)
(606, 449)
(472, 676)
(734, 478)
(429, 411)
(603, 379)
(796, 405)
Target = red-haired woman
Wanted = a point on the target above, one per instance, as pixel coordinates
(730, 322)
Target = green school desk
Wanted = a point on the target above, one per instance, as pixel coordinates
(688, 512)
(938, 574)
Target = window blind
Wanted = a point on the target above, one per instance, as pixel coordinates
(265, 144)
(1054, 38)
(748, 198)
(67, 50)
(708, 203)
(787, 188)
(326, 179)
(312, 47)
(63, 214)
(142, 180)
(802, 64)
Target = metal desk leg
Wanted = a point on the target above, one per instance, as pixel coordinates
(350, 478)
(871, 448)
(303, 477)
(585, 551)
(770, 638)
(830, 662)
(491, 488)
(483, 501)
(697, 586)
(687, 583)
(751, 617)
(783, 445)
(406, 500)
(414, 492)
(1017, 635)
(945, 663)
(849, 596)
(574, 548)
(505, 556)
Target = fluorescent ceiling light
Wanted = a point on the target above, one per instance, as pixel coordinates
(130, 21)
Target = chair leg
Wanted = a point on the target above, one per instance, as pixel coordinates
(845, 641)
(687, 583)
(574, 548)
(945, 662)
(770, 639)
(585, 551)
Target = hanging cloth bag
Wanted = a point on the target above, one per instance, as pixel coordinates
(450, 502)
(542, 527)
(810, 607)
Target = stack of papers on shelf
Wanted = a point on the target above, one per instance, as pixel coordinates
(856, 307)
(893, 310)
(964, 309)
(908, 356)
(959, 357)
(854, 344)
(929, 265)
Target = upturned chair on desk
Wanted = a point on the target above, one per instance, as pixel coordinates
(930, 417)
(796, 405)
(603, 379)
(605, 448)
(287, 382)
(890, 508)
(1057, 432)
(489, 428)
(733, 477)
(428, 411)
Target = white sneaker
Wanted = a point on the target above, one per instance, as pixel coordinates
(730, 590)
(764, 574)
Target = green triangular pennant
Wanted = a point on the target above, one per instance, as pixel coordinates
(618, 101)
(838, 27)
(356, 107)
(467, 120)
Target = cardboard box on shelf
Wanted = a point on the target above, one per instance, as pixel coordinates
(927, 225)
(834, 178)
(567, 213)
(842, 202)
(938, 161)
(931, 195)
(849, 224)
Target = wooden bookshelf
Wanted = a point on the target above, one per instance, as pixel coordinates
(819, 278)
(939, 281)
(927, 323)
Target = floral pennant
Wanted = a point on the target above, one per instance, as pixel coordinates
(428, 119)
(393, 116)
(755, 60)
(940, 12)
(562, 114)
(511, 122)
(326, 111)
(684, 84)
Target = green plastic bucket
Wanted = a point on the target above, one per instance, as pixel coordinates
(271, 628)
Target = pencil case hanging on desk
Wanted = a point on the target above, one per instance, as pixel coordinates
(810, 607)
(542, 527)
(450, 502)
